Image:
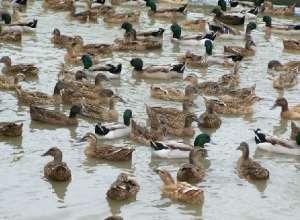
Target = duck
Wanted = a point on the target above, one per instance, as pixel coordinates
(179, 191)
(105, 152)
(53, 117)
(273, 144)
(119, 18)
(189, 40)
(111, 131)
(123, 188)
(285, 80)
(131, 3)
(209, 119)
(10, 129)
(98, 7)
(268, 8)
(29, 27)
(65, 5)
(196, 25)
(142, 44)
(9, 83)
(56, 170)
(232, 79)
(292, 113)
(156, 71)
(250, 13)
(291, 44)
(63, 41)
(176, 2)
(92, 49)
(227, 18)
(280, 28)
(246, 51)
(192, 172)
(278, 66)
(83, 16)
(179, 150)
(29, 70)
(113, 217)
(10, 37)
(165, 13)
(172, 94)
(248, 168)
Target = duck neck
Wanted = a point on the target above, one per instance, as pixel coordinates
(7, 64)
(236, 68)
(92, 144)
(193, 160)
(245, 154)
(58, 157)
(112, 104)
(188, 122)
(285, 107)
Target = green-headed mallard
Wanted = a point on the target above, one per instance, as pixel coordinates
(29, 27)
(294, 130)
(280, 28)
(28, 70)
(292, 113)
(228, 19)
(268, 8)
(10, 129)
(250, 13)
(56, 170)
(165, 13)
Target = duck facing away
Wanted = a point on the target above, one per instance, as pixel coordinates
(56, 170)
(248, 168)
(10, 129)
(292, 113)
(209, 119)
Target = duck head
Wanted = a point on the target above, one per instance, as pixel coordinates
(86, 61)
(222, 4)
(208, 47)
(217, 11)
(244, 147)
(137, 63)
(250, 26)
(89, 137)
(6, 60)
(127, 116)
(56, 32)
(258, 3)
(165, 176)
(281, 102)
(127, 26)
(80, 75)
(192, 79)
(152, 5)
(100, 78)
(268, 21)
(54, 152)
(75, 110)
(6, 17)
(176, 30)
(275, 65)
(201, 140)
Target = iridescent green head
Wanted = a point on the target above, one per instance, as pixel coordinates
(268, 21)
(298, 138)
(217, 11)
(127, 115)
(176, 29)
(87, 61)
(258, 2)
(222, 4)
(137, 63)
(208, 47)
(6, 18)
(152, 5)
(127, 26)
(201, 139)
(250, 26)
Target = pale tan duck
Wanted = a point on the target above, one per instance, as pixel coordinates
(292, 113)
(29, 70)
(285, 80)
(278, 66)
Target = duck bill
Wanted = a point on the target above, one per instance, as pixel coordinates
(274, 106)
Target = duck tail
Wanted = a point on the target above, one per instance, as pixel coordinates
(33, 24)
(178, 68)
(182, 9)
(260, 137)
(101, 130)
(153, 145)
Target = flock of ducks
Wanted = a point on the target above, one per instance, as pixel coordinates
(84, 88)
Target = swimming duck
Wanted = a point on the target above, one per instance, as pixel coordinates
(58, 5)
(209, 119)
(192, 172)
(98, 7)
(194, 25)
(165, 13)
(56, 170)
(250, 13)
(10, 129)
(10, 37)
(119, 18)
(123, 188)
(228, 19)
(54, 117)
(92, 49)
(291, 44)
(180, 191)
(285, 80)
(189, 40)
(29, 70)
(105, 152)
(114, 218)
(294, 130)
(134, 3)
(61, 40)
(276, 145)
(156, 71)
(141, 44)
(9, 83)
(278, 66)
(246, 51)
(280, 28)
(292, 113)
(172, 94)
(176, 150)
(269, 9)
(29, 27)
(112, 131)
(232, 79)
(248, 168)
(83, 16)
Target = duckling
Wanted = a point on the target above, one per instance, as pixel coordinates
(209, 119)
(227, 19)
(56, 170)
(285, 80)
(123, 188)
(192, 172)
(286, 112)
(248, 168)
(112, 131)
(269, 9)
(165, 13)
(53, 117)
(177, 150)
(280, 28)
(29, 70)
(172, 94)
(195, 25)
(8, 83)
(61, 40)
(246, 51)
(180, 191)
(105, 152)
(189, 40)
(119, 18)
(10, 129)
(10, 37)
(291, 44)
(278, 66)
(156, 71)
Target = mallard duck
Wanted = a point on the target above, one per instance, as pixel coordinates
(248, 13)
(192, 172)
(177, 150)
(10, 129)
(156, 71)
(189, 40)
(119, 18)
(98, 7)
(172, 94)
(137, 45)
(123, 188)
(246, 51)
(285, 80)
(59, 5)
(115, 130)
(114, 218)
(52, 117)
(286, 112)
(28, 70)
(177, 2)
(276, 145)
(29, 27)
(166, 13)
(291, 44)
(61, 40)
(10, 37)
(294, 130)
(280, 28)
(195, 25)
(228, 19)
(248, 168)
(105, 152)
(232, 79)
(278, 66)
(56, 170)
(92, 49)
(180, 191)
(9, 83)
(268, 8)
(83, 16)
(134, 3)
(209, 119)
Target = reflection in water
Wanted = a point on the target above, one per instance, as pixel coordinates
(60, 189)
(280, 129)
(90, 164)
(115, 206)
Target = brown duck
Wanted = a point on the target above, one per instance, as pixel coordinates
(9, 129)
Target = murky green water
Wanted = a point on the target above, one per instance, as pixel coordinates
(25, 194)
